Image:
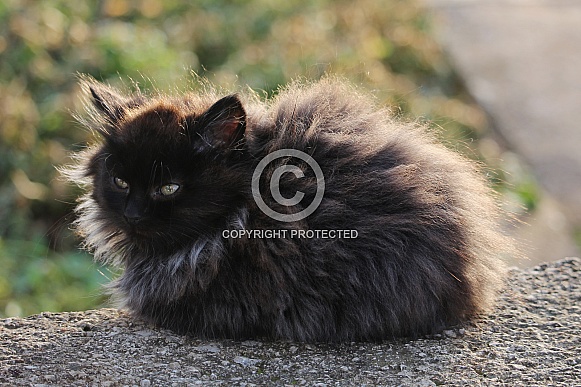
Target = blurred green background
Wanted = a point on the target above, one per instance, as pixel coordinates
(384, 45)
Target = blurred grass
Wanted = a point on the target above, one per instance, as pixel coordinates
(384, 45)
(41, 281)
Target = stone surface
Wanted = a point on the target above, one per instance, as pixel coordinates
(520, 59)
(531, 338)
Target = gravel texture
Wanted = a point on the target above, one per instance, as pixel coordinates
(532, 338)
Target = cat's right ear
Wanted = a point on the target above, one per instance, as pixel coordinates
(110, 105)
(107, 101)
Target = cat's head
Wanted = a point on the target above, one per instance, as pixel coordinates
(168, 171)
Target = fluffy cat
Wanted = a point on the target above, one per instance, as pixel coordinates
(169, 190)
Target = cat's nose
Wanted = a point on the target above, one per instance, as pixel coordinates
(134, 210)
(133, 220)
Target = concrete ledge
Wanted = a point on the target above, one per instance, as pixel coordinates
(532, 338)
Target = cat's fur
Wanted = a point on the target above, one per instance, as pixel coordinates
(428, 251)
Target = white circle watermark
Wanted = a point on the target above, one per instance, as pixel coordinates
(275, 188)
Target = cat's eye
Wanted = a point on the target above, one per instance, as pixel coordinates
(120, 183)
(169, 189)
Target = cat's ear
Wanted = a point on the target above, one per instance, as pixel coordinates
(108, 101)
(223, 124)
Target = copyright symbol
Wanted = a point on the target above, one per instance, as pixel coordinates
(275, 188)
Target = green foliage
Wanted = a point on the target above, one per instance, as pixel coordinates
(577, 235)
(385, 45)
(36, 278)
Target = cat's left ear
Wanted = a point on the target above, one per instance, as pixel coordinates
(223, 124)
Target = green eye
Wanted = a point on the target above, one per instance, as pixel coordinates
(169, 189)
(120, 183)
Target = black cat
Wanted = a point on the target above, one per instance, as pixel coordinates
(404, 240)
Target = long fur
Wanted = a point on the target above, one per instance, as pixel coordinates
(428, 252)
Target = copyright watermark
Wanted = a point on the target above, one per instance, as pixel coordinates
(290, 234)
(275, 185)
